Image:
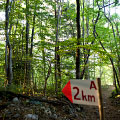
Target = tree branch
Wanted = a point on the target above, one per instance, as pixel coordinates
(107, 5)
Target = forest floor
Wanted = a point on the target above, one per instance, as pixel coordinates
(19, 108)
(111, 107)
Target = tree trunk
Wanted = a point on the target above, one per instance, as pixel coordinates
(27, 25)
(87, 76)
(46, 78)
(8, 49)
(118, 55)
(33, 30)
(118, 35)
(57, 56)
(95, 36)
(114, 70)
(22, 42)
(78, 40)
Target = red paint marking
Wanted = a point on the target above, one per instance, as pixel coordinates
(77, 93)
(92, 85)
(67, 91)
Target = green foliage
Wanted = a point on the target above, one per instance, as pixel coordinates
(116, 2)
(29, 72)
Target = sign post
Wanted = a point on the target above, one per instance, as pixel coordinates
(85, 92)
(101, 112)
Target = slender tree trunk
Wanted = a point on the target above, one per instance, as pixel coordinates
(83, 30)
(56, 52)
(44, 62)
(87, 76)
(71, 23)
(95, 36)
(10, 73)
(27, 36)
(22, 42)
(33, 30)
(46, 78)
(115, 72)
(7, 37)
(83, 22)
(8, 49)
(57, 56)
(27, 25)
(78, 41)
(27, 61)
(84, 42)
(118, 35)
(31, 50)
(113, 32)
(114, 82)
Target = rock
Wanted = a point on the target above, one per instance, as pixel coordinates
(35, 102)
(8, 112)
(54, 116)
(12, 105)
(53, 109)
(68, 110)
(71, 111)
(44, 98)
(78, 109)
(48, 112)
(42, 108)
(27, 100)
(104, 102)
(16, 115)
(15, 100)
(31, 117)
(65, 118)
(74, 115)
(65, 109)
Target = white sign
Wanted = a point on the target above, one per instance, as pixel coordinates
(82, 92)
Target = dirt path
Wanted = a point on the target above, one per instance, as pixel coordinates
(111, 109)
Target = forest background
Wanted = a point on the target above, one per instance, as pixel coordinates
(44, 43)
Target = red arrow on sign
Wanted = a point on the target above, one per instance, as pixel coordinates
(67, 91)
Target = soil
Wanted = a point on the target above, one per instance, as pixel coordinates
(111, 107)
(47, 111)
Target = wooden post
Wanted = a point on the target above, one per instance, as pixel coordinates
(101, 112)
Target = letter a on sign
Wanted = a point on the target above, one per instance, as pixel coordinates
(92, 85)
